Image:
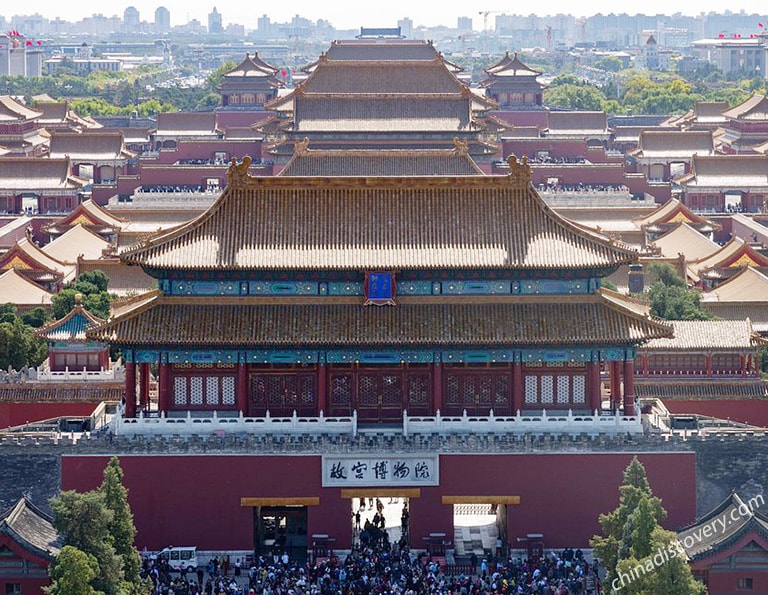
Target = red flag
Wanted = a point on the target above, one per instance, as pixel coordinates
(29, 42)
(283, 72)
(721, 36)
(759, 24)
(39, 42)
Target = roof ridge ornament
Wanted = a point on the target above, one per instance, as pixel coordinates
(237, 174)
(519, 171)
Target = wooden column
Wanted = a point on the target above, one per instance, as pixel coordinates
(743, 365)
(437, 387)
(517, 387)
(708, 363)
(130, 389)
(322, 388)
(594, 401)
(144, 385)
(615, 376)
(163, 385)
(242, 388)
(629, 387)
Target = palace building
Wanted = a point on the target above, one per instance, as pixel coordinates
(372, 336)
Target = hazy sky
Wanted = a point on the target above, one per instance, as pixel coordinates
(352, 15)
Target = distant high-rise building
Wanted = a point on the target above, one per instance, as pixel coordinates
(131, 19)
(406, 27)
(464, 24)
(162, 20)
(214, 22)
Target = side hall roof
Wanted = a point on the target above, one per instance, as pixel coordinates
(356, 223)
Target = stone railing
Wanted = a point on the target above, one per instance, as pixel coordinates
(546, 422)
(116, 374)
(213, 423)
(217, 424)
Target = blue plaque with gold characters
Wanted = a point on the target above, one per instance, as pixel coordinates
(379, 289)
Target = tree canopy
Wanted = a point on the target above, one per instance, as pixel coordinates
(18, 345)
(669, 297)
(641, 557)
(99, 524)
(92, 285)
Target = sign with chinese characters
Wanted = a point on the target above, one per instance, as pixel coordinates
(383, 471)
(379, 289)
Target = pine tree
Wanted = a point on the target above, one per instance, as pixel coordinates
(83, 520)
(640, 557)
(122, 528)
(72, 573)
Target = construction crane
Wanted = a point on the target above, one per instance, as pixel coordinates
(485, 14)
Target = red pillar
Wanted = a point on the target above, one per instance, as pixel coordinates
(163, 386)
(743, 365)
(130, 389)
(144, 385)
(708, 362)
(594, 401)
(242, 388)
(615, 376)
(517, 387)
(629, 387)
(322, 389)
(437, 387)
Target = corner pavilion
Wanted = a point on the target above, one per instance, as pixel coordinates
(377, 296)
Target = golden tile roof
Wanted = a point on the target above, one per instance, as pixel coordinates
(683, 239)
(706, 335)
(509, 321)
(89, 145)
(385, 162)
(358, 223)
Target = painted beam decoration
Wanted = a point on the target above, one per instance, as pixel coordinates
(383, 471)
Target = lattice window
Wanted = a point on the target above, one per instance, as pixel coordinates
(580, 389)
(228, 390)
(452, 394)
(563, 392)
(502, 393)
(368, 391)
(180, 391)
(418, 389)
(341, 390)
(274, 392)
(307, 390)
(531, 389)
(211, 390)
(258, 390)
(391, 390)
(547, 389)
(196, 390)
(484, 390)
(290, 392)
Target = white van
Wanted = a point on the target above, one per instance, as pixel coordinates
(180, 558)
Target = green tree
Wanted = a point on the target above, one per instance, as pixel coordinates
(72, 573)
(576, 97)
(92, 285)
(18, 345)
(83, 520)
(640, 557)
(122, 528)
(634, 488)
(669, 297)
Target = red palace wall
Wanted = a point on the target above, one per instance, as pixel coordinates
(16, 414)
(195, 499)
(750, 411)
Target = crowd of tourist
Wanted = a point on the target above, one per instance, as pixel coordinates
(381, 567)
